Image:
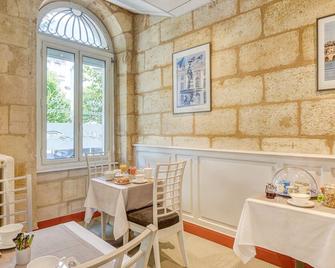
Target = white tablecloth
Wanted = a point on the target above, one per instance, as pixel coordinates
(307, 235)
(115, 200)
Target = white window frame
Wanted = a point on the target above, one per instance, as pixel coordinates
(45, 41)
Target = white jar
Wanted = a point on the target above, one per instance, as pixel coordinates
(23, 256)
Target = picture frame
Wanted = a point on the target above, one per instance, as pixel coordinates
(326, 53)
(192, 80)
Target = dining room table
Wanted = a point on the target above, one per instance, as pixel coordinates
(115, 200)
(64, 240)
(305, 234)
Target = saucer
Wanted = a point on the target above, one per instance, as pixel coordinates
(7, 246)
(44, 262)
(139, 181)
(306, 204)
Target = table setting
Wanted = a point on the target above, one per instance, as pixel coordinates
(118, 191)
(295, 217)
(60, 246)
(125, 175)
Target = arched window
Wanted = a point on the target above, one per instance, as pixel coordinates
(75, 87)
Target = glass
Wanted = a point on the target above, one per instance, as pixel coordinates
(124, 168)
(300, 179)
(93, 105)
(74, 25)
(60, 105)
(270, 191)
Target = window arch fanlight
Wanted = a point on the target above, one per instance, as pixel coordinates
(74, 23)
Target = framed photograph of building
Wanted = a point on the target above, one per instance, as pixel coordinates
(326, 52)
(192, 80)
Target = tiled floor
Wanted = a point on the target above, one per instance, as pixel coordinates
(201, 253)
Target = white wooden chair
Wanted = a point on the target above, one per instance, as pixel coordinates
(97, 164)
(166, 212)
(16, 201)
(138, 260)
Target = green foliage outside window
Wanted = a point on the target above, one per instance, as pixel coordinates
(58, 107)
(93, 97)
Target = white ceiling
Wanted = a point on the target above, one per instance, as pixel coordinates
(166, 8)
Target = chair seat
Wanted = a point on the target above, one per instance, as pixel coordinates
(144, 217)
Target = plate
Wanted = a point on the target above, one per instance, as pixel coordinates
(104, 178)
(44, 262)
(121, 182)
(139, 182)
(306, 204)
(7, 246)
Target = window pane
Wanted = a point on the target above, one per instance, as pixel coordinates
(60, 104)
(93, 105)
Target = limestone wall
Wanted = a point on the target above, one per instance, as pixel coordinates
(17, 83)
(56, 193)
(263, 85)
(263, 78)
(60, 193)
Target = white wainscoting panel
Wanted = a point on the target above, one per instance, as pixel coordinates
(187, 184)
(225, 184)
(217, 182)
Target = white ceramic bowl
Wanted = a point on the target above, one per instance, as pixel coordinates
(139, 178)
(44, 262)
(9, 232)
(110, 174)
(147, 173)
(300, 197)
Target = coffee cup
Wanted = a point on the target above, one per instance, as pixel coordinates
(303, 189)
(139, 178)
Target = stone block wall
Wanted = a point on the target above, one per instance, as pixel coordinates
(60, 193)
(263, 76)
(56, 193)
(17, 83)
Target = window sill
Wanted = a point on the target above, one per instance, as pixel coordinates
(60, 167)
(65, 166)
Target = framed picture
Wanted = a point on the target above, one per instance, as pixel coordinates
(191, 80)
(326, 52)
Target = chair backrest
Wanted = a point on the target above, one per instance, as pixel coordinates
(138, 260)
(167, 194)
(98, 163)
(16, 201)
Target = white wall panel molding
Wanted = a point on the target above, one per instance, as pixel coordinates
(217, 182)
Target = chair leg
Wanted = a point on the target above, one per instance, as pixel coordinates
(126, 238)
(103, 225)
(182, 247)
(156, 253)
